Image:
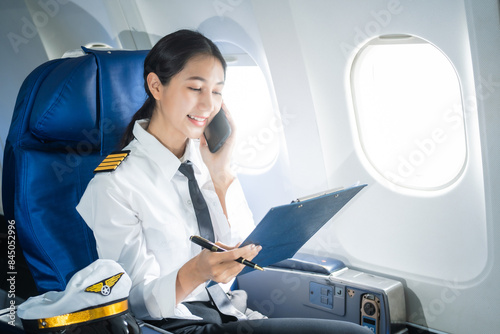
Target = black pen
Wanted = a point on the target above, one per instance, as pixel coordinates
(214, 248)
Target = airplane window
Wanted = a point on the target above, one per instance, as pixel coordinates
(409, 112)
(246, 95)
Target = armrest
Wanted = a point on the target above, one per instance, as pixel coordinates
(310, 264)
(308, 286)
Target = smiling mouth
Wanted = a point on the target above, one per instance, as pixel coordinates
(198, 119)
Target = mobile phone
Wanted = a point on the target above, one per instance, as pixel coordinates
(217, 131)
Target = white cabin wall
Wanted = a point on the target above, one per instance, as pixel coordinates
(438, 244)
(294, 95)
(59, 24)
(484, 23)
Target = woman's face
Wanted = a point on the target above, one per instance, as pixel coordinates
(188, 102)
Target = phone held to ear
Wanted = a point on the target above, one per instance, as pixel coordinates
(217, 131)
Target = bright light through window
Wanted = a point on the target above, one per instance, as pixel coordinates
(247, 97)
(409, 113)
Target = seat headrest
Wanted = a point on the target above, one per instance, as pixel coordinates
(65, 105)
(89, 99)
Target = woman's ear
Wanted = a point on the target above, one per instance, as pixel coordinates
(154, 85)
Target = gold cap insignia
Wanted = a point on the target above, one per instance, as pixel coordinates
(104, 287)
(112, 161)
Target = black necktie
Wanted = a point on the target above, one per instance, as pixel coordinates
(217, 295)
(199, 204)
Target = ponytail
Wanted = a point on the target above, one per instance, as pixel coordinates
(146, 111)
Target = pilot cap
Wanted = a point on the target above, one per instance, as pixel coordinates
(95, 301)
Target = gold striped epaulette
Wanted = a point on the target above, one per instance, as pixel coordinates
(112, 161)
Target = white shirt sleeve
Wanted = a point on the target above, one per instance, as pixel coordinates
(142, 217)
(119, 237)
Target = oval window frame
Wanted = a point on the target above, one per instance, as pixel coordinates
(395, 179)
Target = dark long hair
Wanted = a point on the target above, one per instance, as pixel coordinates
(167, 58)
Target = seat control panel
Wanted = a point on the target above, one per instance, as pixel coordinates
(327, 296)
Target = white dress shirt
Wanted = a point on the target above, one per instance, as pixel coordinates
(142, 217)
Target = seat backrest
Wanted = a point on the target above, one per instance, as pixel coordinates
(69, 114)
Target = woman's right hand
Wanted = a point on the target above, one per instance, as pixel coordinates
(220, 267)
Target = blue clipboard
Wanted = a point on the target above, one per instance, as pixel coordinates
(286, 228)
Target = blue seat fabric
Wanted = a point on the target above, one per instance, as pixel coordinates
(70, 113)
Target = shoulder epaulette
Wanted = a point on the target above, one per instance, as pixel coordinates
(112, 161)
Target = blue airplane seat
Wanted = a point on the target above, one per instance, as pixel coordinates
(70, 113)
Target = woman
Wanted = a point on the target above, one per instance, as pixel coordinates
(142, 214)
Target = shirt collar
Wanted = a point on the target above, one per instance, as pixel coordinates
(192, 154)
(165, 159)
